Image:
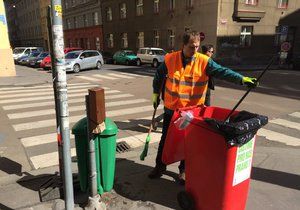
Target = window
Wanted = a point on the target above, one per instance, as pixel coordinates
(156, 38)
(189, 3)
(156, 6)
(73, 3)
(283, 4)
(95, 18)
(139, 7)
(171, 38)
(172, 5)
(140, 39)
(110, 40)
(122, 10)
(108, 14)
(85, 21)
(66, 4)
(246, 36)
(251, 2)
(68, 23)
(124, 40)
(75, 22)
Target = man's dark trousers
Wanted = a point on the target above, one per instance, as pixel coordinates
(167, 119)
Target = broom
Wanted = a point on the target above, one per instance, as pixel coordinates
(145, 151)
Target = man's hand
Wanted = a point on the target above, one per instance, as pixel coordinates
(250, 82)
(155, 100)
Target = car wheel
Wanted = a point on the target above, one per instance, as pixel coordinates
(155, 63)
(98, 65)
(127, 62)
(138, 62)
(76, 68)
(115, 62)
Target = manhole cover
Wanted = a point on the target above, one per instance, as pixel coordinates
(122, 147)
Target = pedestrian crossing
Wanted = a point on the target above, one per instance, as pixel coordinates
(114, 76)
(31, 113)
(281, 130)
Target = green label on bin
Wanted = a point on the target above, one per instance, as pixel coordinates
(243, 162)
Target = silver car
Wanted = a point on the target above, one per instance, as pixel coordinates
(79, 60)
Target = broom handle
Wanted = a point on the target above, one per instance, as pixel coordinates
(153, 117)
(248, 91)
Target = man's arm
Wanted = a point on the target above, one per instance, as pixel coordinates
(159, 77)
(216, 70)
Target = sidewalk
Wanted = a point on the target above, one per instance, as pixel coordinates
(275, 184)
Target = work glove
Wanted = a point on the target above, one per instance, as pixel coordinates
(155, 100)
(250, 82)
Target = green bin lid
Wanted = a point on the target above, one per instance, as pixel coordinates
(80, 127)
(110, 128)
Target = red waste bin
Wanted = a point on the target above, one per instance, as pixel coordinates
(217, 175)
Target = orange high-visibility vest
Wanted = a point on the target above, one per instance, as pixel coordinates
(185, 86)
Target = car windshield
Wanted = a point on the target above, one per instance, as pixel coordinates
(34, 54)
(43, 55)
(129, 53)
(18, 50)
(159, 52)
(72, 55)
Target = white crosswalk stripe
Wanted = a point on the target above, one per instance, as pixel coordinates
(121, 76)
(279, 137)
(71, 109)
(47, 89)
(38, 86)
(83, 92)
(104, 77)
(295, 114)
(286, 123)
(70, 101)
(90, 79)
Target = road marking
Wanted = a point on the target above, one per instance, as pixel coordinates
(39, 94)
(51, 137)
(132, 75)
(89, 79)
(48, 97)
(38, 86)
(47, 89)
(40, 139)
(279, 137)
(70, 101)
(286, 123)
(44, 112)
(73, 119)
(47, 160)
(121, 76)
(104, 77)
(295, 114)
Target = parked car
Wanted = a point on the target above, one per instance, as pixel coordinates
(25, 61)
(46, 62)
(24, 51)
(296, 62)
(79, 60)
(35, 62)
(125, 57)
(107, 57)
(150, 55)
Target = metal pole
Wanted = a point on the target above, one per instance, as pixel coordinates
(92, 157)
(61, 85)
(53, 67)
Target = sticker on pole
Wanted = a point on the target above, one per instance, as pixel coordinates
(243, 162)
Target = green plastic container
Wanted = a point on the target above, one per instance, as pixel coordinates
(105, 154)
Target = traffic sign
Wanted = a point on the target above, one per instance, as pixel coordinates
(285, 46)
(202, 36)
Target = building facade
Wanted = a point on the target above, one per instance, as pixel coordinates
(24, 23)
(83, 24)
(43, 18)
(242, 31)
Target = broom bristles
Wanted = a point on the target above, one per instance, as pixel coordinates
(145, 151)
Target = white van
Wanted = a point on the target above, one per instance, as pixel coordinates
(21, 51)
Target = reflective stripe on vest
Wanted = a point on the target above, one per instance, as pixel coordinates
(185, 86)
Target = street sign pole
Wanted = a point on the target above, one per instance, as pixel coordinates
(60, 80)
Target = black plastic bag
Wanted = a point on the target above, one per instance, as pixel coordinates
(241, 127)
